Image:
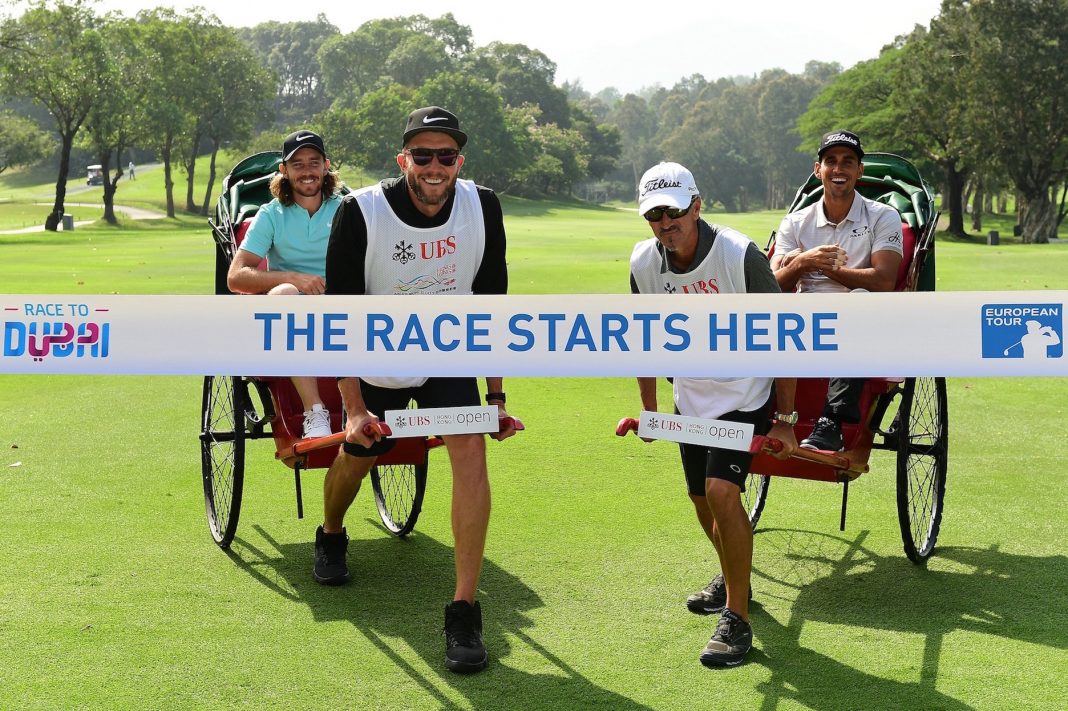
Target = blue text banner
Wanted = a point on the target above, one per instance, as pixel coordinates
(894, 334)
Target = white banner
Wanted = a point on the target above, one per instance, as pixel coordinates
(886, 334)
(431, 421)
(722, 434)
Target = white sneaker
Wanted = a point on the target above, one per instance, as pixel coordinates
(316, 422)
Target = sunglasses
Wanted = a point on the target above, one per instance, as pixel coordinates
(673, 213)
(424, 156)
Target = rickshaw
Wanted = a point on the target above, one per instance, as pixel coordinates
(236, 408)
(907, 416)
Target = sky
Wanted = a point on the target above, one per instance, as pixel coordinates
(632, 45)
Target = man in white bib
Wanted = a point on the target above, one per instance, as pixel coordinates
(844, 242)
(426, 232)
(688, 256)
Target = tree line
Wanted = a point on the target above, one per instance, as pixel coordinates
(975, 99)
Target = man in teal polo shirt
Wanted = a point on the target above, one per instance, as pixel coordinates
(291, 232)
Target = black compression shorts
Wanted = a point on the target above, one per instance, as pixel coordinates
(700, 463)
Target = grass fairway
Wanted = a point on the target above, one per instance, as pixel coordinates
(114, 596)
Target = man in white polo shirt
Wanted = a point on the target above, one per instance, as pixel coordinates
(688, 256)
(845, 242)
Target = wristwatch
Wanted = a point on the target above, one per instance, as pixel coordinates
(496, 397)
(790, 419)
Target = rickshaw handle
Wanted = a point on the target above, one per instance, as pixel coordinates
(333, 440)
(768, 445)
(627, 424)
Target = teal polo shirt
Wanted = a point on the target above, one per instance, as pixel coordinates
(290, 238)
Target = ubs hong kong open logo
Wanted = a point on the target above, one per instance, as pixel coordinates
(1028, 331)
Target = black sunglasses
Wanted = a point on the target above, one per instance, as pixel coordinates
(673, 213)
(423, 156)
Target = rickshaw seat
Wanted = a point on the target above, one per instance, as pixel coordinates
(287, 427)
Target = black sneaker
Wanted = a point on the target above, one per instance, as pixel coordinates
(464, 651)
(730, 643)
(330, 565)
(712, 599)
(826, 435)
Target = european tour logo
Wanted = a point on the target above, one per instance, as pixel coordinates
(1028, 331)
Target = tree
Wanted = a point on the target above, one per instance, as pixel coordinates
(416, 59)
(290, 50)
(932, 97)
(169, 43)
(455, 37)
(781, 99)
(602, 141)
(237, 107)
(353, 64)
(369, 135)
(22, 141)
(717, 142)
(209, 54)
(1014, 54)
(116, 116)
(522, 76)
(637, 125)
(51, 58)
(562, 159)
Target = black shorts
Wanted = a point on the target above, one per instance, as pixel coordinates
(700, 462)
(435, 392)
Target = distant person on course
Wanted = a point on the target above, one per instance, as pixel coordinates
(426, 232)
(292, 232)
(845, 242)
(688, 256)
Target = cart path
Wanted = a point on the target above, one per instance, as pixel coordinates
(134, 213)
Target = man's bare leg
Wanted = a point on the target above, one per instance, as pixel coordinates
(308, 389)
(706, 519)
(340, 487)
(736, 542)
(470, 510)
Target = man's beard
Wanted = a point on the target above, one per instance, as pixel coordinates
(299, 188)
(418, 188)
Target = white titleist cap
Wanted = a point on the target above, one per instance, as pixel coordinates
(666, 185)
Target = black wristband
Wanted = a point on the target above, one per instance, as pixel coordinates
(495, 396)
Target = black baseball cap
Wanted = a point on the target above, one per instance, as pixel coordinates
(301, 139)
(434, 118)
(840, 138)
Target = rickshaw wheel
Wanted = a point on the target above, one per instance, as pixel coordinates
(222, 453)
(399, 490)
(755, 496)
(922, 460)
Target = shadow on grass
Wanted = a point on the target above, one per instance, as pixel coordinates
(840, 582)
(399, 590)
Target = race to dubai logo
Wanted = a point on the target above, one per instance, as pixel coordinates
(44, 331)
